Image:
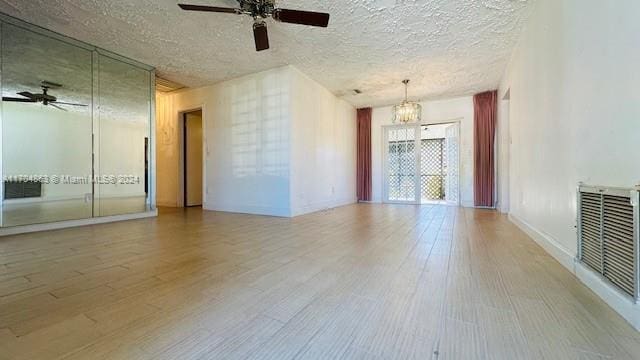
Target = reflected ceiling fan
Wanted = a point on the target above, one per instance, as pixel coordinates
(260, 10)
(45, 98)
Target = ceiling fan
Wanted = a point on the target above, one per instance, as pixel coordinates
(45, 98)
(260, 10)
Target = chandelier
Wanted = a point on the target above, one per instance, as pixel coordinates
(407, 111)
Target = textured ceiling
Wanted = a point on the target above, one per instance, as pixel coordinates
(446, 47)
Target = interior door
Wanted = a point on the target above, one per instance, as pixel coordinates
(401, 164)
(193, 158)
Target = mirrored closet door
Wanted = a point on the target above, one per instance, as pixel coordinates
(46, 142)
(75, 130)
(122, 137)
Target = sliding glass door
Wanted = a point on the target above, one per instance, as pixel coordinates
(421, 164)
(401, 164)
(452, 152)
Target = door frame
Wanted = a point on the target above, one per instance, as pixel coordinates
(418, 126)
(459, 163)
(181, 170)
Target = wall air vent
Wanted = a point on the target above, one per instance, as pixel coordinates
(608, 234)
(22, 189)
(164, 85)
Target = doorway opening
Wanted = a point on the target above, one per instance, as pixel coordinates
(192, 159)
(422, 164)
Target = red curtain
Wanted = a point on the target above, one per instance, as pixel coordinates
(363, 187)
(485, 109)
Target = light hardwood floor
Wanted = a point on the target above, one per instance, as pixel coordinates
(358, 282)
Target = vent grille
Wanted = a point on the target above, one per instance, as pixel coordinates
(608, 237)
(22, 189)
(590, 222)
(618, 242)
(164, 85)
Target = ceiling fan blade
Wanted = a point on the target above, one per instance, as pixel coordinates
(27, 94)
(209, 8)
(66, 103)
(57, 107)
(4, 98)
(261, 36)
(301, 17)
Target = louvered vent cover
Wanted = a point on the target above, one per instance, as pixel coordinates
(590, 222)
(608, 236)
(164, 85)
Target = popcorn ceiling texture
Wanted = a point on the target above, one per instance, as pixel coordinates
(446, 47)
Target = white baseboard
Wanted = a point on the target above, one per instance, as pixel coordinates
(324, 205)
(278, 212)
(621, 303)
(24, 229)
(248, 209)
(548, 243)
(167, 204)
(467, 204)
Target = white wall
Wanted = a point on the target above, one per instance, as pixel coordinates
(247, 135)
(433, 112)
(41, 140)
(503, 144)
(277, 143)
(574, 113)
(167, 151)
(323, 144)
(574, 109)
(45, 141)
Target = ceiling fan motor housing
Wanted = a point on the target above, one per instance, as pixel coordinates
(258, 8)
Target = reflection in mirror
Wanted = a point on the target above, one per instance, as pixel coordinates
(122, 142)
(46, 141)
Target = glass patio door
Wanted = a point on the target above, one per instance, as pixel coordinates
(452, 151)
(401, 164)
(421, 164)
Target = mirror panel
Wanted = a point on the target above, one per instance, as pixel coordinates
(75, 129)
(122, 143)
(46, 145)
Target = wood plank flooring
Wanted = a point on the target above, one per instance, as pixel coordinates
(358, 282)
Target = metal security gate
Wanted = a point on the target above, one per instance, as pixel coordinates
(401, 164)
(452, 151)
(433, 170)
(421, 163)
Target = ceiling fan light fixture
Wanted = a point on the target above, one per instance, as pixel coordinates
(407, 111)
